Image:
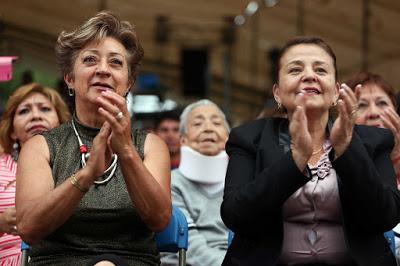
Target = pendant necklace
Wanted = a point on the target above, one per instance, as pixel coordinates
(85, 156)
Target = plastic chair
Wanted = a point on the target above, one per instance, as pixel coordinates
(24, 255)
(174, 238)
(389, 235)
(230, 237)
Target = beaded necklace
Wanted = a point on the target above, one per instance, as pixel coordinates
(85, 156)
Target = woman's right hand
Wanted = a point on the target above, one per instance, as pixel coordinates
(301, 141)
(8, 221)
(100, 153)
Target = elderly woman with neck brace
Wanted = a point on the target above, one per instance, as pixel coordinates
(197, 185)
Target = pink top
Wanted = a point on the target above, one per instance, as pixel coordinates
(10, 246)
(312, 216)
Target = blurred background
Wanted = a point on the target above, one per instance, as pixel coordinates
(223, 50)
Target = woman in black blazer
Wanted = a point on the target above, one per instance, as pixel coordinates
(308, 190)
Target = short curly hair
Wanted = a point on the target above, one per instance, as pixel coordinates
(103, 24)
(19, 95)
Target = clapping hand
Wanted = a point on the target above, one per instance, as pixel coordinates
(301, 141)
(100, 154)
(113, 108)
(8, 221)
(342, 129)
(391, 121)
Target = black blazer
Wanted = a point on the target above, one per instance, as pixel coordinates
(261, 175)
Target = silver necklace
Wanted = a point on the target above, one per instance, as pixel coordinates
(85, 156)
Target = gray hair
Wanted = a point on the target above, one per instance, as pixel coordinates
(185, 115)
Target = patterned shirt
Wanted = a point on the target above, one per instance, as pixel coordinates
(10, 245)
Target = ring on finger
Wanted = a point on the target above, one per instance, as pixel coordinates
(353, 112)
(119, 116)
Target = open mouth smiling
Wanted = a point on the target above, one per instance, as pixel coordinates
(102, 86)
(310, 90)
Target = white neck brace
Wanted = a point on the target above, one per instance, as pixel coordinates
(201, 168)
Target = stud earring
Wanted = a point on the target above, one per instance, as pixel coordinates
(71, 91)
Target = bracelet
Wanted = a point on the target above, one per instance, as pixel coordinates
(76, 184)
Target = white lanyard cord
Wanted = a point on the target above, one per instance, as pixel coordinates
(111, 168)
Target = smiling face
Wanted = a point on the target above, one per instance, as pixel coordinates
(206, 132)
(33, 115)
(307, 69)
(372, 101)
(99, 66)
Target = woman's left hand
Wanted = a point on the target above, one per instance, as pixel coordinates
(113, 108)
(342, 129)
(391, 120)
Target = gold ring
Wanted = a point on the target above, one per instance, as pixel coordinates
(119, 116)
(353, 113)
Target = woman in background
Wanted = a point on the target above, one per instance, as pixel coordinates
(377, 107)
(30, 110)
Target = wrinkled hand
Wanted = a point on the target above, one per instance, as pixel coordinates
(100, 153)
(8, 221)
(343, 126)
(301, 141)
(391, 121)
(111, 105)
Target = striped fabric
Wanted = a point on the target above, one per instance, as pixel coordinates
(10, 246)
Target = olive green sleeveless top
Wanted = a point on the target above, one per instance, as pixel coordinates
(105, 221)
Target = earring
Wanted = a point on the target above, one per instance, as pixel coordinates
(15, 151)
(279, 105)
(334, 103)
(71, 91)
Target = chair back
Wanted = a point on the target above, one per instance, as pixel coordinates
(389, 235)
(175, 236)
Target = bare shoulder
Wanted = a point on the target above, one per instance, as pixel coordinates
(34, 176)
(154, 143)
(35, 146)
